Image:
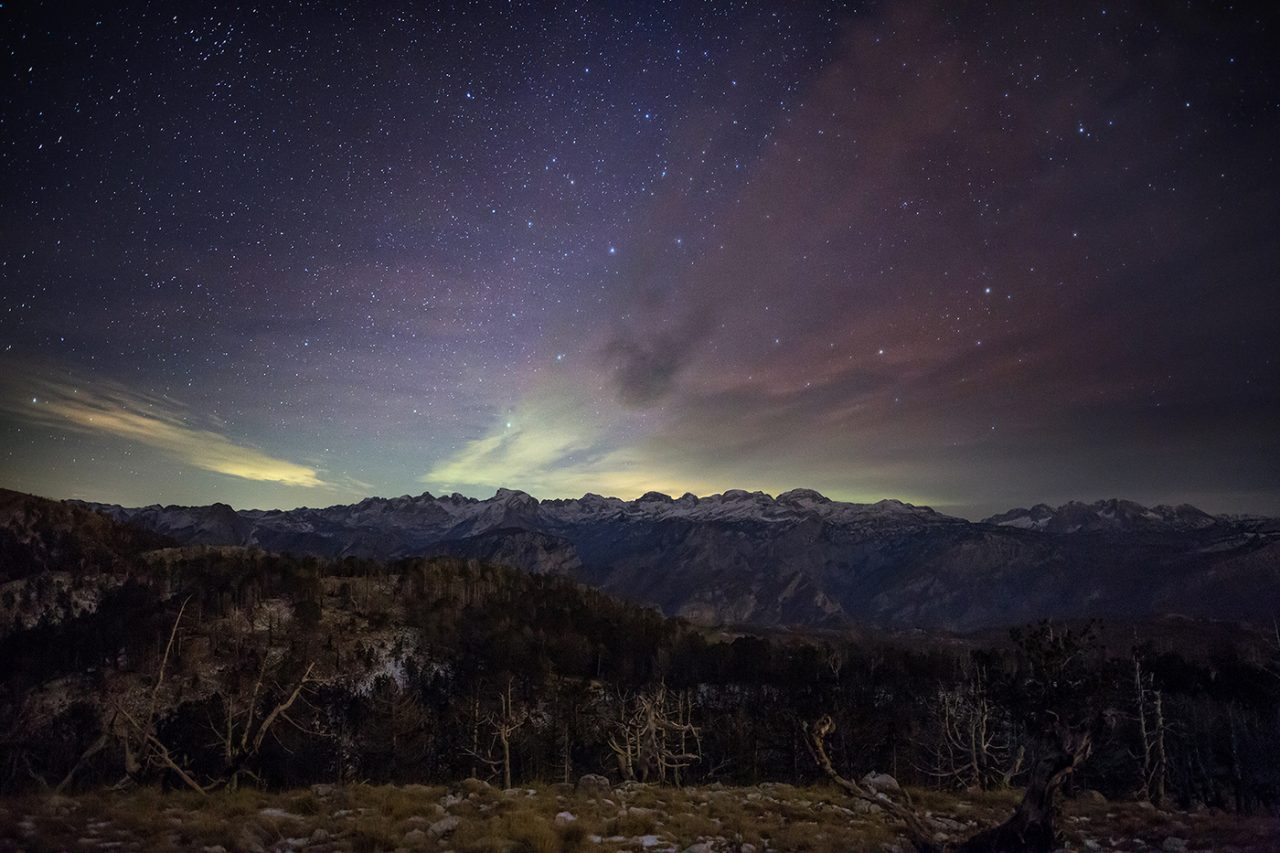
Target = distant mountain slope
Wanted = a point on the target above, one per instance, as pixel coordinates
(800, 558)
(1108, 515)
(38, 535)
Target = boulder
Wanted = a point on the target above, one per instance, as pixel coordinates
(472, 785)
(881, 782)
(594, 785)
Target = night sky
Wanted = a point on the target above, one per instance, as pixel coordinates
(973, 256)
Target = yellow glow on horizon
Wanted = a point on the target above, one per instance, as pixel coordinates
(156, 422)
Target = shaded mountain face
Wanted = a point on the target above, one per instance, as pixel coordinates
(800, 558)
(38, 535)
(1109, 515)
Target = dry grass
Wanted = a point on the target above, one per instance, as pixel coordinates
(358, 817)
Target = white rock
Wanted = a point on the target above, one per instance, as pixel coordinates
(881, 782)
(281, 814)
(444, 826)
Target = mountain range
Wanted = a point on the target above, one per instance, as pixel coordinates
(800, 559)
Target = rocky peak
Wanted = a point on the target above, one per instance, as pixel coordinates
(803, 497)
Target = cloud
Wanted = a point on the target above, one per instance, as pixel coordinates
(646, 364)
(558, 442)
(109, 408)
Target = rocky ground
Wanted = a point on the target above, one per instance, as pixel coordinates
(476, 817)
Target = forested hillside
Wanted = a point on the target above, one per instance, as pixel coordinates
(209, 667)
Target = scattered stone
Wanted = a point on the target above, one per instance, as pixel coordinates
(323, 790)
(863, 807)
(565, 818)
(279, 814)
(450, 800)
(415, 836)
(1089, 795)
(444, 826)
(320, 836)
(1174, 844)
(250, 839)
(216, 848)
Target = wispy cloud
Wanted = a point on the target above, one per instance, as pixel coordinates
(558, 443)
(109, 408)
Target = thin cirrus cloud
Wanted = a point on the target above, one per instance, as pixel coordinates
(556, 442)
(108, 408)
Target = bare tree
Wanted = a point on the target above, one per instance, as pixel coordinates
(1030, 827)
(652, 737)
(1054, 690)
(143, 749)
(973, 744)
(245, 729)
(916, 829)
(502, 726)
(1151, 735)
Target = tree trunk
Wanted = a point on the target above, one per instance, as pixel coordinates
(1031, 826)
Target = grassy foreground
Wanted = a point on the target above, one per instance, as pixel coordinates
(476, 817)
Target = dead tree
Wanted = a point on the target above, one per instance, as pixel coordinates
(1054, 689)
(502, 726)
(1030, 827)
(653, 738)
(245, 729)
(144, 752)
(973, 744)
(1151, 735)
(916, 829)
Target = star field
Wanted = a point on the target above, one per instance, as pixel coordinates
(970, 255)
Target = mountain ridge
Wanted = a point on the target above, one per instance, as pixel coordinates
(799, 558)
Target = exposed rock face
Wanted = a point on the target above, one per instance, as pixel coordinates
(801, 558)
